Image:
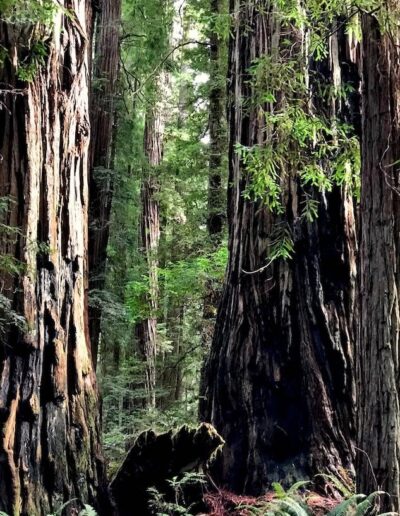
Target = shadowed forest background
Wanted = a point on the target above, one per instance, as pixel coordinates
(199, 257)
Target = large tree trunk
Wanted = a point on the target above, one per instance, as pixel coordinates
(279, 377)
(103, 106)
(378, 344)
(146, 329)
(50, 430)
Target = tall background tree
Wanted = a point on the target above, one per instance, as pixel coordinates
(50, 439)
(378, 361)
(217, 179)
(149, 231)
(103, 111)
(189, 266)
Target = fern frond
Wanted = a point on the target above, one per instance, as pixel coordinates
(88, 511)
(278, 489)
(340, 486)
(364, 507)
(342, 508)
(293, 507)
(297, 486)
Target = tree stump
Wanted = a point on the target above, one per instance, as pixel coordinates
(153, 459)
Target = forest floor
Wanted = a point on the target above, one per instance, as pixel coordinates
(226, 503)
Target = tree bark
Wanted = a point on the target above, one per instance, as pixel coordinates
(378, 343)
(103, 113)
(146, 330)
(279, 377)
(50, 448)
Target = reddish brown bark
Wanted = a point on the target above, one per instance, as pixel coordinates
(146, 330)
(379, 325)
(49, 414)
(103, 113)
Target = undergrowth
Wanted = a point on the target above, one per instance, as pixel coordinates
(301, 499)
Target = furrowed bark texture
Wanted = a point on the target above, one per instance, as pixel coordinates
(146, 330)
(103, 106)
(49, 414)
(279, 376)
(378, 345)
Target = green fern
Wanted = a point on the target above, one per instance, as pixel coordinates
(88, 511)
(365, 506)
(279, 491)
(287, 506)
(346, 505)
(344, 490)
(295, 488)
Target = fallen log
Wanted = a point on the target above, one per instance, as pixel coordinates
(153, 459)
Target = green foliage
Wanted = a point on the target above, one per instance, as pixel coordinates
(35, 58)
(9, 268)
(190, 264)
(300, 142)
(35, 20)
(86, 511)
(323, 152)
(294, 501)
(161, 507)
(28, 12)
(281, 243)
(357, 504)
(262, 164)
(285, 503)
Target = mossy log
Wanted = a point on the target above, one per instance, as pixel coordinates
(153, 459)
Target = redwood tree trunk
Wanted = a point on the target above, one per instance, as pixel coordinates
(279, 377)
(146, 330)
(378, 345)
(218, 147)
(103, 112)
(216, 220)
(216, 197)
(49, 413)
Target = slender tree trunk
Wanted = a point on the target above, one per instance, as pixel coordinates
(49, 408)
(146, 330)
(216, 219)
(279, 377)
(378, 345)
(218, 144)
(171, 381)
(103, 106)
